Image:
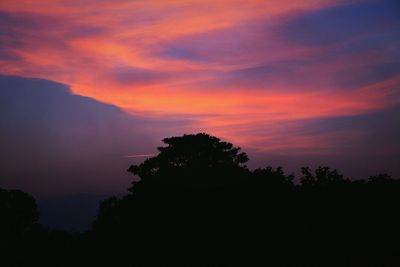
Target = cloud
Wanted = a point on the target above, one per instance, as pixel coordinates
(127, 75)
(249, 71)
(54, 142)
(341, 24)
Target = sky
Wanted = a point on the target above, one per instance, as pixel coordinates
(89, 87)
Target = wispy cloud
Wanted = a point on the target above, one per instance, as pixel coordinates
(140, 156)
(245, 66)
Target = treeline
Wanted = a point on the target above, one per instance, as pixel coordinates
(198, 204)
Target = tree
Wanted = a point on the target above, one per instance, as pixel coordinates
(191, 193)
(18, 212)
(273, 178)
(194, 160)
(323, 176)
(383, 178)
(197, 200)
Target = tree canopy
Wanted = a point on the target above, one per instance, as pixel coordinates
(191, 151)
(197, 202)
(18, 212)
(194, 159)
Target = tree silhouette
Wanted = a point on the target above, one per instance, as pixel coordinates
(191, 163)
(198, 200)
(191, 151)
(273, 178)
(18, 212)
(323, 176)
(197, 203)
(18, 223)
(381, 179)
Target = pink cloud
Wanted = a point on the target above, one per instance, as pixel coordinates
(227, 60)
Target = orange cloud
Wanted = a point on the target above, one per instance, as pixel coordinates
(87, 43)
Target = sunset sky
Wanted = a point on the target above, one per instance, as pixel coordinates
(294, 83)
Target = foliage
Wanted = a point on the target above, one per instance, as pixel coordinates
(197, 202)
